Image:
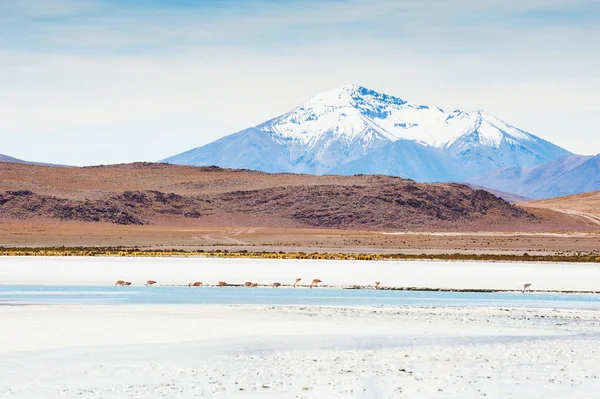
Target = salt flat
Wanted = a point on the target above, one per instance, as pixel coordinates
(306, 351)
(187, 351)
(181, 271)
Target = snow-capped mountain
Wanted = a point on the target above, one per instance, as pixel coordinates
(356, 130)
(489, 143)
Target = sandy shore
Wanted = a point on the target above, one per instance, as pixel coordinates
(181, 271)
(308, 352)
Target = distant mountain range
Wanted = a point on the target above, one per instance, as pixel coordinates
(354, 130)
(6, 158)
(560, 177)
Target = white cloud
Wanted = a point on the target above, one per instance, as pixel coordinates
(48, 8)
(142, 85)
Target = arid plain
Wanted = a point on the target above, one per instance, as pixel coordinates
(158, 206)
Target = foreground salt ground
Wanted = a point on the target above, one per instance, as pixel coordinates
(181, 271)
(188, 351)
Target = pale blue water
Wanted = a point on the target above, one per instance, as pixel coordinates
(38, 294)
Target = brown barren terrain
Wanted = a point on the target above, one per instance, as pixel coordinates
(167, 206)
(193, 238)
(585, 207)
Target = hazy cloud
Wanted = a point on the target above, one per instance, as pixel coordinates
(113, 81)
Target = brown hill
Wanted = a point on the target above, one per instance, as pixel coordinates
(130, 207)
(167, 194)
(585, 207)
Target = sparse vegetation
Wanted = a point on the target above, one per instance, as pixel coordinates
(593, 257)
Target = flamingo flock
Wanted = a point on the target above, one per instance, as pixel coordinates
(315, 283)
(249, 284)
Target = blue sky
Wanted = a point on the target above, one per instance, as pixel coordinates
(104, 81)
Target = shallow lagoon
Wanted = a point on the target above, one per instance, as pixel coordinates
(68, 280)
(51, 294)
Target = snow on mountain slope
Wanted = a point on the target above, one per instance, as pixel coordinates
(565, 176)
(491, 143)
(349, 130)
(346, 111)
